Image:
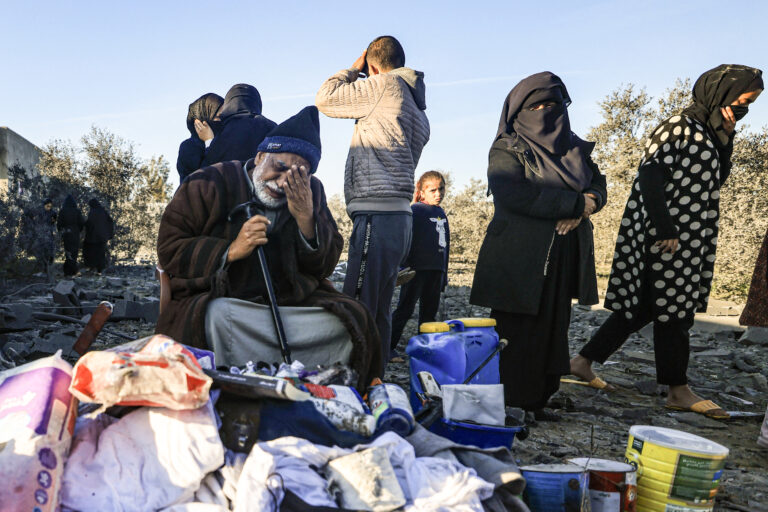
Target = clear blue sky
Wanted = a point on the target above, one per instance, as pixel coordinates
(134, 67)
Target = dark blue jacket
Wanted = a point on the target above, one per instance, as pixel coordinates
(431, 238)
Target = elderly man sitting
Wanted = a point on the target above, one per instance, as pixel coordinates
(218, 294)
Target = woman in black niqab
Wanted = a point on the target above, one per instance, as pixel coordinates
(70, 223)
(537, 111)
(99, 229)
(192, 150)
(538, 252)
(242, 127)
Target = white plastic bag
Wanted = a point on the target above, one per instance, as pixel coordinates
(478, 403)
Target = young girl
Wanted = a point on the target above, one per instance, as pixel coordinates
(428, 255)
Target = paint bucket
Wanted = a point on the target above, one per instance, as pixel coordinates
(555, 487)
(676, 471)
(612, 484)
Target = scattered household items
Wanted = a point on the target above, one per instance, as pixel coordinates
(426, 483)
(478, 403)
(154, 371)
(389, 405)
(149, 459)
(37, 414)
(612, 484)
(675, 469)
(556, 487)
(463, 352)
(365, 480)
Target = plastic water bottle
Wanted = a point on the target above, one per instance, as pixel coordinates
(389, 405)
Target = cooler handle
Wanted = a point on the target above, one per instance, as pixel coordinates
(456, 325)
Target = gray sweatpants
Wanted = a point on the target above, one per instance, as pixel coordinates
(239, 331)
(379, 244)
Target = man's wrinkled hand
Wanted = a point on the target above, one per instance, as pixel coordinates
(298, 194)
(251, 235)
(564, 226)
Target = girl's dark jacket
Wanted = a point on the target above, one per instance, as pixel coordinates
(514, 258)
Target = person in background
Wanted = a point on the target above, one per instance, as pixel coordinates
(99, 229)
(390, 132)
(70, 223)
(538, 251)
(202, 129)
(428, 257)
(756, 310)
(665, 250)
(240, 127)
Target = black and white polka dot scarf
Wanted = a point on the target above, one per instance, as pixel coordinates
(679, 283)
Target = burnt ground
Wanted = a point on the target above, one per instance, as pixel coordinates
(723, 368)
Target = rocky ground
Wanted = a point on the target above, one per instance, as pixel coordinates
(726, 366)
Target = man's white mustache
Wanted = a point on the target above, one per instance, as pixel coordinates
(273, 187)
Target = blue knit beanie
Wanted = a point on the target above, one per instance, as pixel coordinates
(299, 135)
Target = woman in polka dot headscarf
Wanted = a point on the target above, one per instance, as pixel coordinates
(665, 250)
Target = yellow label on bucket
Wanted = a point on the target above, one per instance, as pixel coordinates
(676, 471)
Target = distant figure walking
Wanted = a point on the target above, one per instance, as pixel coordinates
(665, 250)
(538, 252)
(70, 223)
(240, 127)
(99, 229)
(202, 129)
(428, 256)
(390, 132)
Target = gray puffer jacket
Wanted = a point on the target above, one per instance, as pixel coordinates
(391, 129)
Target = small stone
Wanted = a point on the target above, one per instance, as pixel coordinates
(755, 336)
(697, 420)
(717, 353)
(640, 357)
(127, 310)
(647, 387)
(65, 295)
(151, 310)
(116, 282)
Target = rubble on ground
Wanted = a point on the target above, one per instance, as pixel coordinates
(728, 365)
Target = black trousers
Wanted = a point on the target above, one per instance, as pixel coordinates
(670, 342)
(425, 288)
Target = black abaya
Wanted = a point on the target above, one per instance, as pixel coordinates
(538, 344)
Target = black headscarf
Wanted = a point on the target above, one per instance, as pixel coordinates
(203, 108)
(717, 88)
(69, 202)
(242, 100)
(560, 154)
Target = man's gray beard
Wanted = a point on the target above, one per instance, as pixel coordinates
(260, 187)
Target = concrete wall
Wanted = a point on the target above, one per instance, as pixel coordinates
(16, 150)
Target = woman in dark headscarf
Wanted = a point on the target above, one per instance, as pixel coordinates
(242, 127)
(70, 223)
(99, 229)
(538, 251)
(202, 129)
(665, 250)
